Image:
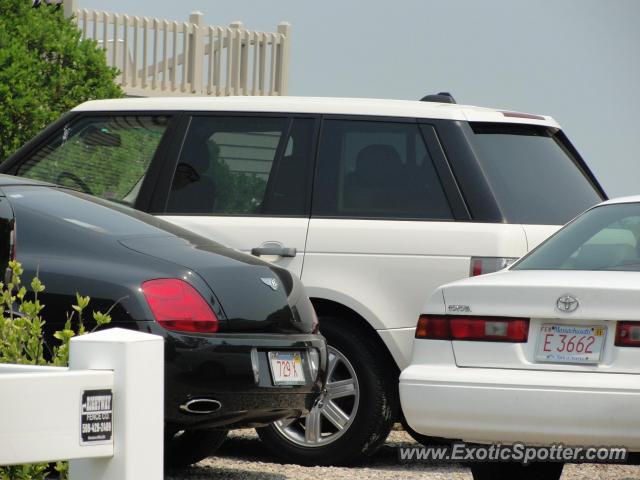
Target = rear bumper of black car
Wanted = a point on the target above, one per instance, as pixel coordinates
(232, 376)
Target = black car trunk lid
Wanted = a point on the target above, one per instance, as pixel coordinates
(255, 296)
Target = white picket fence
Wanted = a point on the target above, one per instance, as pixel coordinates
(104, 413)
(158, 57)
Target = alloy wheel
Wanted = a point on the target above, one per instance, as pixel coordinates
(334, 413)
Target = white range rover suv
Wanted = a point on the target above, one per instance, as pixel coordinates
(373, 203)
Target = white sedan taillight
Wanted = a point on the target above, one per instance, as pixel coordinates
(487, 329)
(628, 334)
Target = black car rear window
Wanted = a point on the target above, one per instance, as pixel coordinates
(533, 175)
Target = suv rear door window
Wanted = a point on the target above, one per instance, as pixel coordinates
(534, 177)
(106, 156)
(230, 166)
(371, 169)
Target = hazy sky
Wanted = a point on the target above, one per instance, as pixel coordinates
(577, 60)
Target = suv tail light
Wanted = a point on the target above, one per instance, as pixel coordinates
(628, 334)
(487, 329)
(482, 265)
(176, 305)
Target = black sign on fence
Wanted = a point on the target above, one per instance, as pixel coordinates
(96, 417)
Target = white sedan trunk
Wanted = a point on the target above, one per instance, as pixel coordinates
(585, 335)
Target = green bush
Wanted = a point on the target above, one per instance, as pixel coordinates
(22, 342)
(45, 70)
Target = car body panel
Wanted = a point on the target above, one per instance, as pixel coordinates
(246, 233)
(399, 342)
(219, 367)
(579, 408)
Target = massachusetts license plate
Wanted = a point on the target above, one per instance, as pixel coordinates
(570, 343)
(286, 368)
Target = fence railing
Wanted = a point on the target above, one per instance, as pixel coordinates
(104, 413)
(158, 57)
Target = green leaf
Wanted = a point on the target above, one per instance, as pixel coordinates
(81, 302)
(45, 70)
(36, 285)
(21, 337)
(101, 318)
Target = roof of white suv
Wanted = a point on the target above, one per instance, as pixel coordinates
(629, 199)
(322, 105)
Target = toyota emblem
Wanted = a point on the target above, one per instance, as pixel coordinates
(567, 303)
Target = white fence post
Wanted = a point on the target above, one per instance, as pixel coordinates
(137, 362)
(234, 47)
(70, 7)
(196, 51)
(282, 72)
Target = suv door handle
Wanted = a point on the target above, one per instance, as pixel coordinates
(280, 251)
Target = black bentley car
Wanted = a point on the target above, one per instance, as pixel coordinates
(241, 341)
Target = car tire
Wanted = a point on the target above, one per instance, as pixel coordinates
(187, 447)
(508, 471)
(376, 404)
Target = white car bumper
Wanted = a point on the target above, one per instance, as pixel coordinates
(535, 407)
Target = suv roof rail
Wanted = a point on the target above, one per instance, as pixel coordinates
(442, 97)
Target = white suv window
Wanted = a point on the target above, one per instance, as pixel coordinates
(229, 166)
(534, 177)
(377, 170)
(104, 156)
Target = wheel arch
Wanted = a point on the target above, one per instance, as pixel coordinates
(330, 308)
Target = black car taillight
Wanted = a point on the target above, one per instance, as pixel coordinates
(176, 305)
(628, 334)
(487, 329)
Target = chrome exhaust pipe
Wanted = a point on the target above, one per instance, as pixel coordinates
(201, 406)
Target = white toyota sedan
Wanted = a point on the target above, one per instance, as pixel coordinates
(545, 352)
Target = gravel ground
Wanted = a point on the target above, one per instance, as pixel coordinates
(243, 457)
